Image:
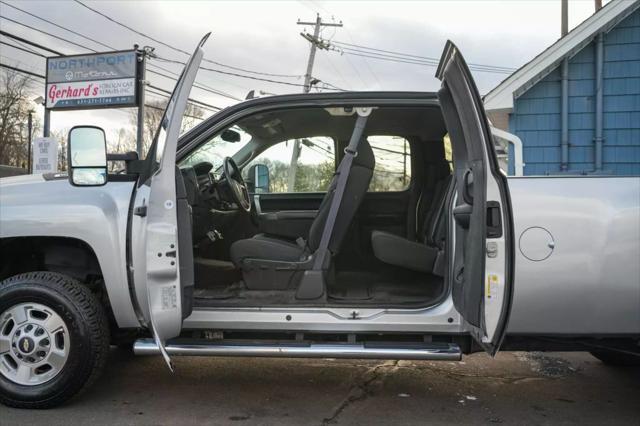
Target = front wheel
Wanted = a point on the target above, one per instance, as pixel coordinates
(54, 339)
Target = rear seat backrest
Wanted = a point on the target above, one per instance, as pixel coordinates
(435, 215)
(423, 256)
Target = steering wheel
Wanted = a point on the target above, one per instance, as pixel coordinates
(238, 188)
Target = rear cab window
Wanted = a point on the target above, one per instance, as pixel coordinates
(392, 172)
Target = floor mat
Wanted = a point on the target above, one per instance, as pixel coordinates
(383, 289)
(237, 294)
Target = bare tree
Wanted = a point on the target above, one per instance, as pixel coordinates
(14, 113)
(153, 113)
(61, 136)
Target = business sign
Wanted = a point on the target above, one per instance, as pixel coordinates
(45, 155)
(92, 81)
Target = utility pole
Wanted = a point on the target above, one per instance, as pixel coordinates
(564, 12)
(598, 5)
(308, 82)
(46, 129)
(142, 75)
(30, 137)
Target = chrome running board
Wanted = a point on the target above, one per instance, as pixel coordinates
(426, 351)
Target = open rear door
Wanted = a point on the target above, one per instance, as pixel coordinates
(169, 256)
(482, 269)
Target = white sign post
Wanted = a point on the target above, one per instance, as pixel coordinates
(45, 155)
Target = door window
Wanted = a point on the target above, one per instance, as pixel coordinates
(313, 168)
(393, 163)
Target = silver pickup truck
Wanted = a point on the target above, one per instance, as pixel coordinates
(212, 246)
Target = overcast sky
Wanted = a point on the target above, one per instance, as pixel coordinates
(263, 36)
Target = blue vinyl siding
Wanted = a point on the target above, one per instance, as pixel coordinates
(536, 114)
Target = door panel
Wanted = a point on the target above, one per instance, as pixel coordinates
(286, 214)
(481, 270)
(169, 264)
(290, 201)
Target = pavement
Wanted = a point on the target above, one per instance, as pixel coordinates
(515, 388)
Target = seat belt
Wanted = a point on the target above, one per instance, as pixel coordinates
(312, 284)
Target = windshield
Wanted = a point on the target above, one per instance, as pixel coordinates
(217, 148)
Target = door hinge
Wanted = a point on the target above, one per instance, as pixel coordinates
(140, 211)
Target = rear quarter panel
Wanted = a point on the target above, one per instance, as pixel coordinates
(590, 284)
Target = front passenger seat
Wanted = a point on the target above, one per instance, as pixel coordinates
(269, 262)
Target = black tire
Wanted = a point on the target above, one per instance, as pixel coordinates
(88, 335)
(617, 358)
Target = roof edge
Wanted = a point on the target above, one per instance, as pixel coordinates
(502, 96)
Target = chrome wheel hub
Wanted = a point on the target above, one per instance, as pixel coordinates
(34, 344)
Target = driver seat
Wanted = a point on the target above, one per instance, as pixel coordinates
(273, 263)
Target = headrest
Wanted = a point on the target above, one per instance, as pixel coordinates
(443, 169)
(365, 157)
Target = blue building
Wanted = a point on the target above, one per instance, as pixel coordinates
(576, 106)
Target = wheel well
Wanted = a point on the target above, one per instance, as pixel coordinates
(69, 256)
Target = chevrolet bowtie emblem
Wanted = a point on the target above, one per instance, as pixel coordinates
(25, 345)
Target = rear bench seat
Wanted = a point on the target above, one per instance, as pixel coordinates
(426, 255)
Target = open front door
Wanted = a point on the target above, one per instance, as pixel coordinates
(168, 228)
(482, 269)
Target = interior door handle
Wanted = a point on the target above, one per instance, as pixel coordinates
(494, 220)
(467, 183)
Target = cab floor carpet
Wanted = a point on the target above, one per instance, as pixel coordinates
(355, 288)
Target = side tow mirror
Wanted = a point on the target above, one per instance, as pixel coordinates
(87, 154)
(258, 179)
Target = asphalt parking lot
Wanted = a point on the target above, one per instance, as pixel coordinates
(514, 388)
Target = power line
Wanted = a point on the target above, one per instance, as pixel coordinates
(437, 60)
(56, 25)
(375, 53)
(95, 41)
(181, 50)
(47, 33)
(196, 102)
(166, 60)
(31, 43)
(23, 49)
(286, 83)
(16, 69)
(196, 85)
(21, 44)
(162, 109)
(397, 60)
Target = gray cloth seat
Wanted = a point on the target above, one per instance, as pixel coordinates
(399, 251)
(265, 247)
(424, 255)
(245, 254)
